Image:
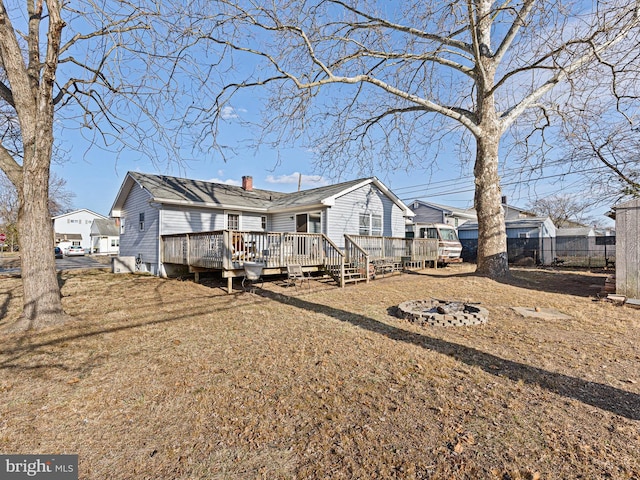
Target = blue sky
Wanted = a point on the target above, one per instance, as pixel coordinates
(95, 176)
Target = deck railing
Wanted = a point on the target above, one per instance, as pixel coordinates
(424, 249)
(397, 248)
(229, 249)
(334, 260)
(356, 256)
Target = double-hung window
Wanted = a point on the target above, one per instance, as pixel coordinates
(370, 224)
(233, 221)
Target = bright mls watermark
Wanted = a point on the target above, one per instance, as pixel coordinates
(45, 467)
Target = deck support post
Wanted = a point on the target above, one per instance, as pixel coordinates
(230, 285)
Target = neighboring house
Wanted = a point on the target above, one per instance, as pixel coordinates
(627, 216)
(586, 246)
(529, 237)
(515, 213)
(574, 241)
(105, 236)
(150, 206)
(74, 228)
(427, 212)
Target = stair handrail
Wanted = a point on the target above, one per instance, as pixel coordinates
(334, 258)
(356, 255)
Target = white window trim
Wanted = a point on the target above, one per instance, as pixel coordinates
(370, 216)
(226, 219)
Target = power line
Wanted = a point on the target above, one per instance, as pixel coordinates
(505, 173)
(516, 182)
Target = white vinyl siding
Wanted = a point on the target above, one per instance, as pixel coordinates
(283, 222)
(286, 222)
(189, 220)
(134, 242)
(345, 214)
(251, 222)
(77, 222)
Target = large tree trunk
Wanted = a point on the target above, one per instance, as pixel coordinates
(42, 302)
(492, 237)
(32, 88)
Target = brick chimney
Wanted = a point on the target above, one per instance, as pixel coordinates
(247, 183)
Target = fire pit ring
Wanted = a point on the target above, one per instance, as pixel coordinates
(442, 313)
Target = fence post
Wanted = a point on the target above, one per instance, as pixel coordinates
(226, 249)
(282, 240)
(188, 251)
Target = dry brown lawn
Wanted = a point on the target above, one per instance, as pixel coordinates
(168, 379)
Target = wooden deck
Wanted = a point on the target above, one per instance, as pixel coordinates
(227, 250)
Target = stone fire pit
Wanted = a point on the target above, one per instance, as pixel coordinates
(442, 313)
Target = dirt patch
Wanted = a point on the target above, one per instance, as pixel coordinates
(161, 378)
(544, 313)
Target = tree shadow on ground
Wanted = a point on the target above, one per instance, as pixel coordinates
(606, 397)
(569, 282)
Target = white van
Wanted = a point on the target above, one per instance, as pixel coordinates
(449, 247)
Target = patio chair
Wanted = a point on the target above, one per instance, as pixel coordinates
(296, 275)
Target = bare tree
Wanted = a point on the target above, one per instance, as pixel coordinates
(601, 126)
(564, 210)
(60, 201)
(106, 64)
(607, 148)
(8, 212)
(372, 84)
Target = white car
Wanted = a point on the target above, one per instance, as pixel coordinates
(74, 251)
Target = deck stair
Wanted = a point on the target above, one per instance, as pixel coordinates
(352, 273)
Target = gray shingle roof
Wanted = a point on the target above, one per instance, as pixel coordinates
(107, 227)
(530, 222)
(166, 189)
(183, 190)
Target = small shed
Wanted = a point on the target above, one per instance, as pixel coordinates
(105, 236)
(532, 237)
(627, 248)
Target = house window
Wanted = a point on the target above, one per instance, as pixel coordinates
(370, 224)
(376, 225)
(115, 242)
(523, 235)
(364, 224)
(141, 221)
(233, 221)
(263, 222)
(315, 223)
(75, 243)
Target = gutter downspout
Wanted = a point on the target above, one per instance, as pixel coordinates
(160, 272)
